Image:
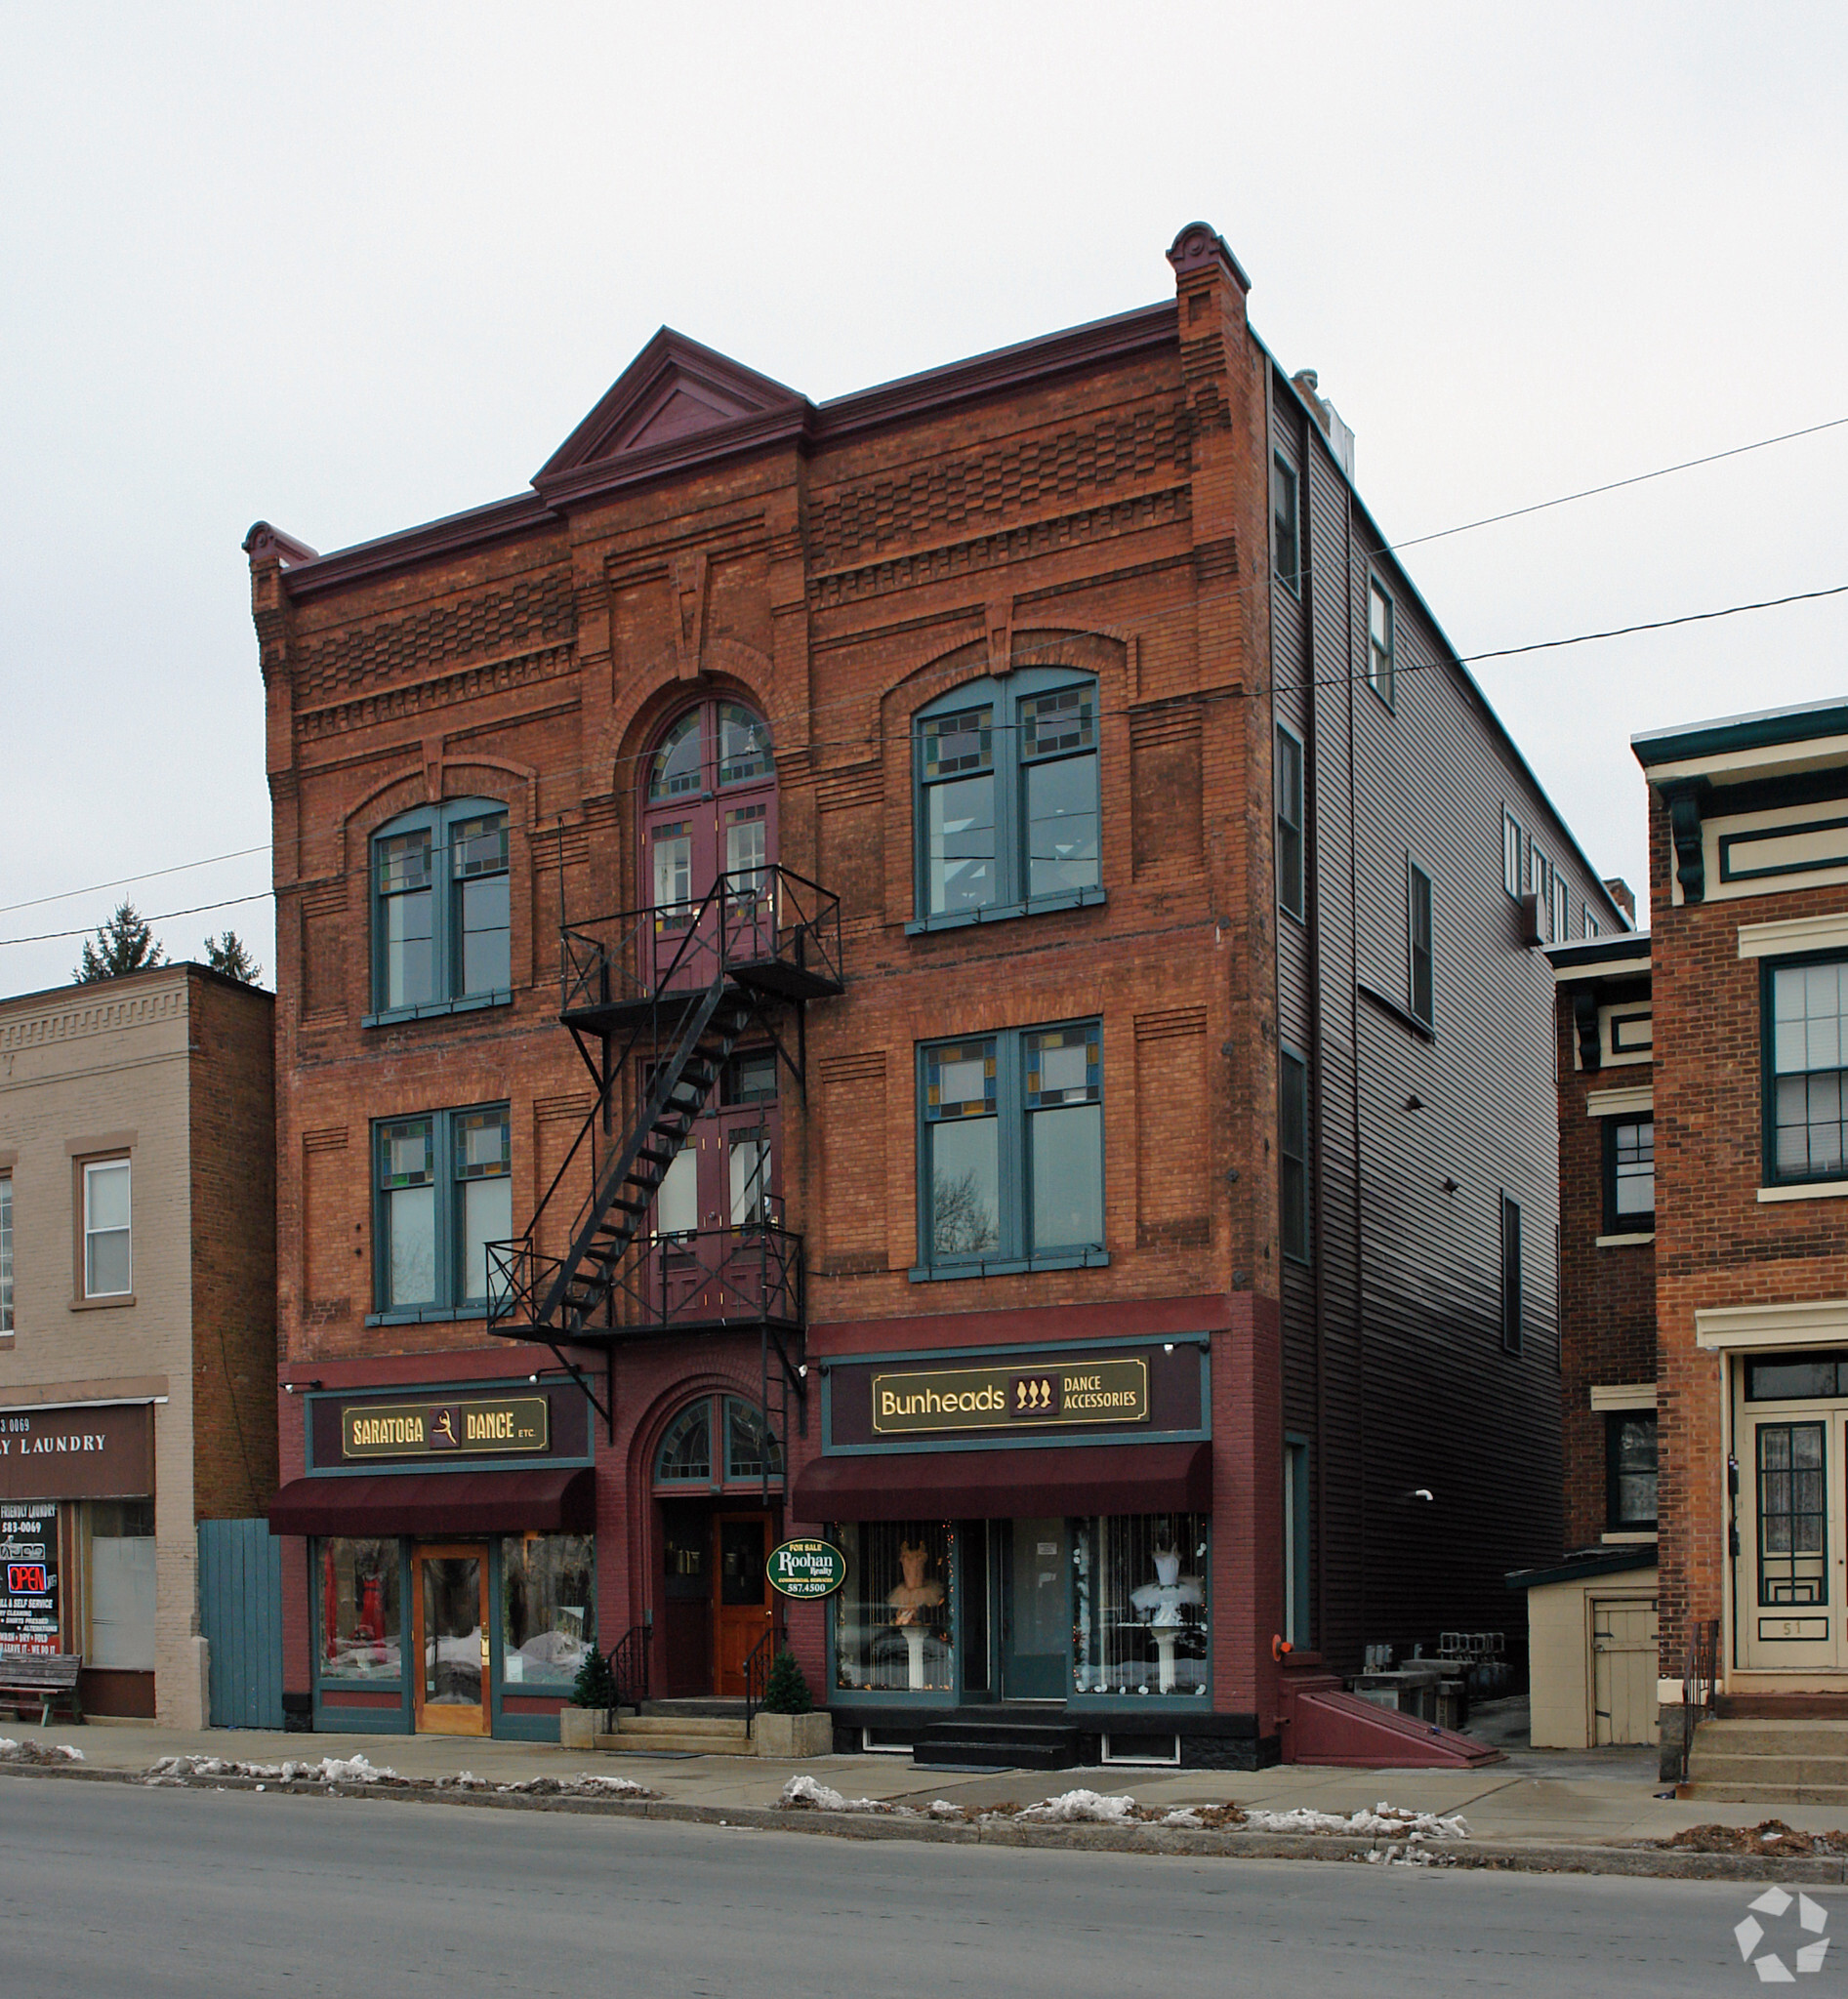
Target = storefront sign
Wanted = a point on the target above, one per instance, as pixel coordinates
(100, 1451)
(29, 1577)
(806, 1568)
(428, 1429)
(1007, 1398)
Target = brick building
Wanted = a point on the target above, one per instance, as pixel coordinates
(949, 970)
(136, 1318)
(1749, 890)
(1592, 1622)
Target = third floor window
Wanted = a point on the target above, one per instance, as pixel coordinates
(1007, 817)
(441, 929)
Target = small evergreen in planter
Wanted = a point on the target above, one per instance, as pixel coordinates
(596, 1684)
(786, 1691)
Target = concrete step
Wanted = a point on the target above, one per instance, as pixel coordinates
(1704, 1766)
(714, 1728)
(705, 1707)
(1766, 1794)
(1758, 1736)
(671, 1743)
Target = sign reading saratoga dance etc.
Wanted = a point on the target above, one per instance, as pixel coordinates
(1003, 1398)
(806, 1568)
(418, 1429)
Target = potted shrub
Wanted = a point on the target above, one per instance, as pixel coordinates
(593, 1695)
(789, 1724)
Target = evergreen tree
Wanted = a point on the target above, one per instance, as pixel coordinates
(231, 956)
(124, 943)
(786, 1691)
(596, 1684)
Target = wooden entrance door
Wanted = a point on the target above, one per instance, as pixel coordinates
(742, 1607)
(449, 1592)
(1623, 1669)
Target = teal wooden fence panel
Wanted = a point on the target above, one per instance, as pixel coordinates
(240, 1613)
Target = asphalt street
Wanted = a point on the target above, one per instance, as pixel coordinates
(113, 1892)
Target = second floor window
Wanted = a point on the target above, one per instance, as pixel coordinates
(1631, 1469)
(1420, 963)
(1381, 643)
(1806, 1070)
(1512, 841)
(1630, 1176)
(1010, 1151)
(1287, 556)
(443, 1192)
(1008, 806)
(6, 1253)
(108, 1268)
(441, 918)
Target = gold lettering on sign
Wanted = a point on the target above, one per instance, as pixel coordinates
(437, 1429)
(1002, 1398)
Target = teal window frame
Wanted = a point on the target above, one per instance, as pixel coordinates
(1012, 1102)
(1011, 758)
(1513, 854)
(1286, 524)
(447, 1181)
(1770, 971)
(454, 861)
(1297, 1544)
(1289, 783)
(1382, 661)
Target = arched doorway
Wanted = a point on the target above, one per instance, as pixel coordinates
(706, 1476)
(708, 807)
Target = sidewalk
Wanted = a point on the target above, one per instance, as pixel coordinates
(1576, 1798)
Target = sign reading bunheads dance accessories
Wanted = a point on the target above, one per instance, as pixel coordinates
(29, 1571)
(1004, 1398)
(806, 1568)
(421, 1429)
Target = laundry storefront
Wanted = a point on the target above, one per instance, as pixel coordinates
(1028, 1536)
(77, 1551)
(451, 1565)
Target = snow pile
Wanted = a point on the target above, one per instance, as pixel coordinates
(1384, 1822)
(580, 1786)
(330, 1770)
(1083, 1808)
(37, 1752)
(805, 1794)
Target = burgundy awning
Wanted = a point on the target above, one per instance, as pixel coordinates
(437, 1504)
(1006, 1484)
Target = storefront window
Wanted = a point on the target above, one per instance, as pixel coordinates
(892, 1618)
(122, 1584)
(548, 1608)
(1139, 1604)
(361, 1615)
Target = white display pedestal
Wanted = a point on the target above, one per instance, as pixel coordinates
(915, 1645)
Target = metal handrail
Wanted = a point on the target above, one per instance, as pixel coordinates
(629, 1666)
(757, 1670)
(1699, 1670)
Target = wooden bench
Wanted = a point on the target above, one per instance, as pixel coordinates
(45, 1680)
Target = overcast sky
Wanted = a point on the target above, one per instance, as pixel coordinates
(348, 268)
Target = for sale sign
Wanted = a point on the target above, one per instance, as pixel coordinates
(28, 1568)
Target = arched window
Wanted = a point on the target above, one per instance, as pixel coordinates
(708, 803)
(686, 1457)
(1007, 799)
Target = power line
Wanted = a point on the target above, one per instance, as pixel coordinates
(6, 909)
(166, 916)
(1611, 486)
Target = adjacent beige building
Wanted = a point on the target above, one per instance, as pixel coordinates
(137, 1318)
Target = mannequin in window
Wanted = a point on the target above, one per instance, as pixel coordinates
(1161, 1601)
(915, 1595)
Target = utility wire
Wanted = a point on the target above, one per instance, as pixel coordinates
(1612, 486)
(126, 880)
(166, 916)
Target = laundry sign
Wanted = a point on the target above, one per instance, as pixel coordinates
(1006, 1397)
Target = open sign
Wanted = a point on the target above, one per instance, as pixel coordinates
(27, 1579)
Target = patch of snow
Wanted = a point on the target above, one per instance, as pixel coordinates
(1384, 1822)
(1083, 1808)
(804, 1792)
(37, 1752)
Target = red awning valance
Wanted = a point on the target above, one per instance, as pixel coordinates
(438, 1503)
(1008, 1485)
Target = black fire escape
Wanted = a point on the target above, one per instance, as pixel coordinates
(657, 1000)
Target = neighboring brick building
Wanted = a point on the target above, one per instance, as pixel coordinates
(1096, 1111)
(136, 1316)
(1592, 1612)
(1748, 869)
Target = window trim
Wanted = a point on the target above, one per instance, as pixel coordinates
(1614, 1522)
(1515, 853)
(7, 1306)
(1513, 1288)
(1291, 579)
(1007, 769)
(1298, 1516)
(1389, 693)
(1772, 1179)
(1284, 734)
(1417, 872)
(1013, 1254)
(445, 1221)
(86, 1164)
(1304, 1252)
(1615, 1224)
(445, 921)
(719, 1477)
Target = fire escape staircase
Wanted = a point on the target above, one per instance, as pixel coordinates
(755, 950)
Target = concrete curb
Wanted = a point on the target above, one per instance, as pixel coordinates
(1533, 1856)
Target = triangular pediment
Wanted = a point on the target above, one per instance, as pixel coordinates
(674, 390)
